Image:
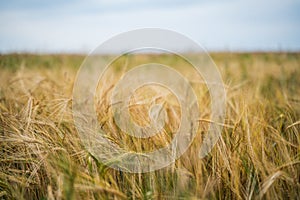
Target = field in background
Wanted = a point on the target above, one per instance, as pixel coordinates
(41, 156)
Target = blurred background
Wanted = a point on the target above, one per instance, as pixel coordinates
(80, 26)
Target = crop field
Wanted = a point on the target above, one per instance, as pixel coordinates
(256, 157)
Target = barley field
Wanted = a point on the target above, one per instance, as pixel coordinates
(256, 157)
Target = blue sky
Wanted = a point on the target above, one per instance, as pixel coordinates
(80, 26)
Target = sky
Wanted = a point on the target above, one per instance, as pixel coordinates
(80, 26)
